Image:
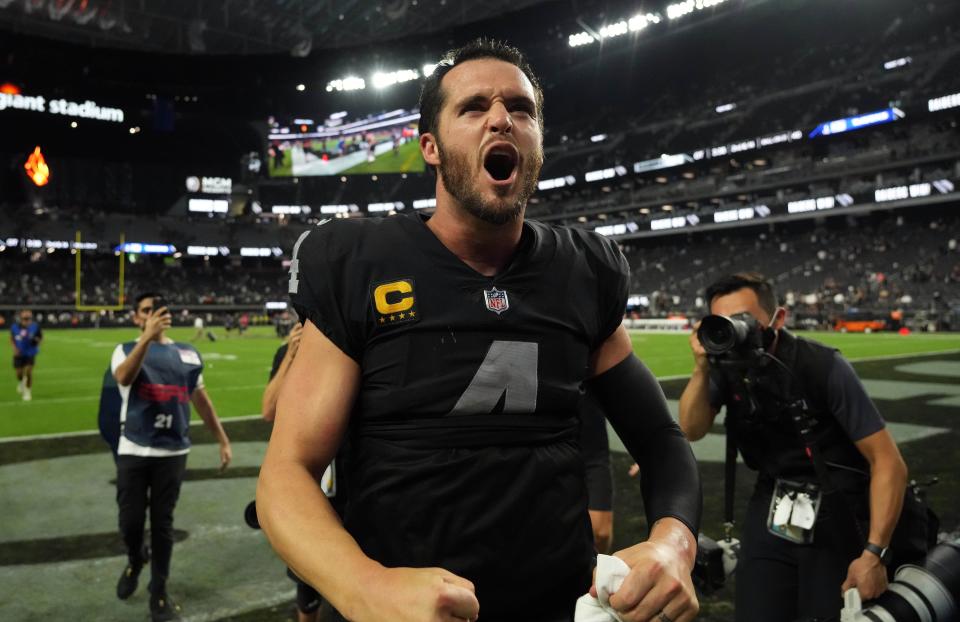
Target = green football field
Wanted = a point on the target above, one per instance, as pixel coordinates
(71, 363)
(406, 160)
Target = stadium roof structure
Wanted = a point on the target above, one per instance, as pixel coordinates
(243, 26)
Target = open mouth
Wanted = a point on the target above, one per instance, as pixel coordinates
(501, 161)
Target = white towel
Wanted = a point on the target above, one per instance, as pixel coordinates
(611, 571)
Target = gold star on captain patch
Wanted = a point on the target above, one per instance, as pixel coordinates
(382, 321)
(413, 314)
(393, 317)
(402, 316)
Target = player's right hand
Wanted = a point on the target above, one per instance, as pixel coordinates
(157, 322)
(699, 354)
(419, 595)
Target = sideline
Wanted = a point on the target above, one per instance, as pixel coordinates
(55, 435)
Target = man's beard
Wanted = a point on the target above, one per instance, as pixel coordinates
(459, 181)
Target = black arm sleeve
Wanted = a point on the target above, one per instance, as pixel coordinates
(637, 409)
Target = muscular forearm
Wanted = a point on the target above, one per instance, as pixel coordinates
(696, 414)
(307, 534)
(127, 371)
(888, 481)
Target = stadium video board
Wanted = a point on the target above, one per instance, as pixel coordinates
(373, 144)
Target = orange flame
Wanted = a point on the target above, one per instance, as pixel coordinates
(37, 169)
(9, 88)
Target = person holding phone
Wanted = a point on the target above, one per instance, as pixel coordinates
(157, 378)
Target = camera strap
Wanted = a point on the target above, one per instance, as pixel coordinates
(847, 525)
(730, 477)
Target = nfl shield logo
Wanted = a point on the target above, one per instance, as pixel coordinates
(496, 300)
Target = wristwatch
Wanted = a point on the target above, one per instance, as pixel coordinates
(883, 552)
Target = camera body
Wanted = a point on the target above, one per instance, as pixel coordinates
(716, 561)
(734, 341)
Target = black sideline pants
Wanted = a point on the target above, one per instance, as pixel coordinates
(154, 483)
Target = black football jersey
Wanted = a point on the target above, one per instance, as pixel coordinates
(464, 450)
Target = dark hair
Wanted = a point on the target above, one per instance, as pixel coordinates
(141, 297)
(760, 285)
(432, 95)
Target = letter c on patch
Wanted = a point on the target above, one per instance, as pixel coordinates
(390, 290)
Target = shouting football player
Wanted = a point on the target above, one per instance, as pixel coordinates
(454, 350)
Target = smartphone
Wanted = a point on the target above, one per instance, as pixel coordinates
(158, 303)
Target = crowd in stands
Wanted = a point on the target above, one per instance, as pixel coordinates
(42, 278)
(879, 263)
(823, 268)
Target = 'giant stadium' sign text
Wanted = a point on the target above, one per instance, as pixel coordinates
(38, 103)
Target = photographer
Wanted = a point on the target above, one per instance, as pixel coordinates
(791, 401)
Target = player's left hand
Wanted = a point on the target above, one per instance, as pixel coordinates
(868, 574)
(659, 581)
(226, 454)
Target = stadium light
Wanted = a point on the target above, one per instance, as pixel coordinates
(424, 203)
(897, 62)
(639, 22)
(301, 87)
(290, 209)
(811, 205)
(725, 108)
(203, 250)
(676, 222)
(260, 251)
(383, 79)
(898, 193)
(338, 209)
(943, 103)
(680, 9)
(606, 173)
(428, 69)
(557, 182)
(741, 213)
(618, 229)
(208, 206)
(385, 207)
(580, 38)
(350, 83)
(615, 29)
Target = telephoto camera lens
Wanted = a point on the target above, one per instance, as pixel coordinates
(929, 592)
(720, 334)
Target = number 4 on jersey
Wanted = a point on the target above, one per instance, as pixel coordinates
(510, 367)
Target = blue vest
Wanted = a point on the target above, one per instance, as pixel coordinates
(157, 409)
(24, 337)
